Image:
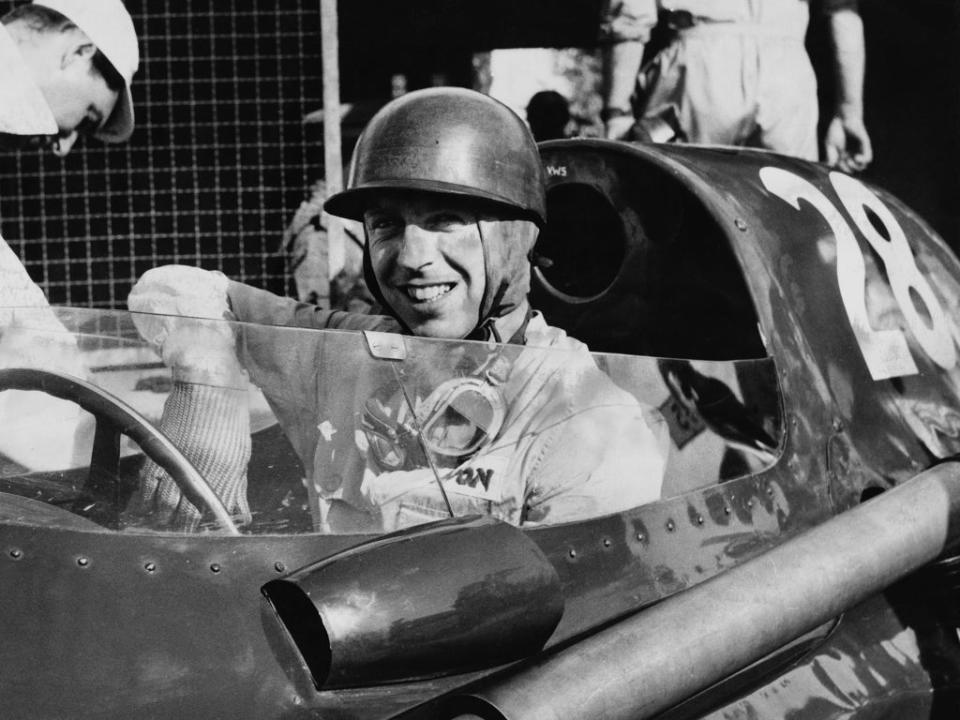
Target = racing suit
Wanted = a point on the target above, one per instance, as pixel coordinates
(735, 72)
(572, 446)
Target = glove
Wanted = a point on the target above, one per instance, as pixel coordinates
(181, 311)
(211, 427)
(170, 304)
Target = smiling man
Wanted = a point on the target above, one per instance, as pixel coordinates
(450, 189)
(430, 259)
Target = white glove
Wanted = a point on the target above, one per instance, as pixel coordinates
(181, 310)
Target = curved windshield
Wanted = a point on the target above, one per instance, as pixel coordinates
(278, 430)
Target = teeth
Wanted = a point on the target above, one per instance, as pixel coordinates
(426, 293)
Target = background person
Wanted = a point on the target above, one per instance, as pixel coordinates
(736, 73)
(67, 67)
(450, 189)
(548, 114)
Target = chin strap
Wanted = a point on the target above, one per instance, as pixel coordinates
(488, 331)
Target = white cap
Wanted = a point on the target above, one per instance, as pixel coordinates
(109, 26)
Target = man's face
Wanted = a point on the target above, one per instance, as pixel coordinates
(81, 102)
(427, 256)
(75, 91)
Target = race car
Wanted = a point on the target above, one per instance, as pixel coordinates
(792, 332)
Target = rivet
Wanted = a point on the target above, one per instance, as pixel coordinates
(16, 553)
(279, 566)
(83, 562)
(769, 491)
(670, 526)
(150, 567)
(572, 553)
(641, 537)
(749, 503)
(607, 542)
(726, 510)
(215, 567)
(699, 519)
(837, 425)
(741, 225)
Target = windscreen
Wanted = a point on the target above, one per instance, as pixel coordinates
(303, 431)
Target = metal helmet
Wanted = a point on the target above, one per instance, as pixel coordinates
(447, 140)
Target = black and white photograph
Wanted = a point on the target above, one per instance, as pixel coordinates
(446, 360)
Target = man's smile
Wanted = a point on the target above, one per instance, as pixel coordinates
(428, 293)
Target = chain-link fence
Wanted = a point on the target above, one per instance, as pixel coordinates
(218, 162)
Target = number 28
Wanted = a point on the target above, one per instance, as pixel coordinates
(885, 351)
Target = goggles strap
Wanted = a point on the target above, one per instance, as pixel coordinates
(420, 439)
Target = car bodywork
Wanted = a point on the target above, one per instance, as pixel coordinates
(794, 331)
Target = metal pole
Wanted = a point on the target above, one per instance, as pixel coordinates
(332, 159)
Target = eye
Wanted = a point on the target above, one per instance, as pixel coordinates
(448, 220)
(382, 225)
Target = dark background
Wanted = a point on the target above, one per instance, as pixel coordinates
(221, 157)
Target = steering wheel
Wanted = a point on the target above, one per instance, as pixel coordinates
(113, 418)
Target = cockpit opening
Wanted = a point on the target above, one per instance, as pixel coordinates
(581, 251)
(631, 261)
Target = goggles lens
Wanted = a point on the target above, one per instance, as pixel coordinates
(458, 419)
(462, 416)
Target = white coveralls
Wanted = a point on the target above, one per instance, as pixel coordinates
(23, 112)
(32, 336)
(740, 75)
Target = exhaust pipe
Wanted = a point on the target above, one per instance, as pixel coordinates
(440, 599)
(667, 653)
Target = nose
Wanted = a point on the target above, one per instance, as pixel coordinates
(63, 144)
(419, 248)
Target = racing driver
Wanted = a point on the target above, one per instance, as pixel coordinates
(450, 189)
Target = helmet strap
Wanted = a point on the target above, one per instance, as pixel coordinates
(491, 329)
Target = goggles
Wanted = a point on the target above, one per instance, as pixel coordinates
(455, 421)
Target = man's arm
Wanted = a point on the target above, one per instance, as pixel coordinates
(253, 305)
(206, 414)
(621, 63)
(624, 30)
(847, 141)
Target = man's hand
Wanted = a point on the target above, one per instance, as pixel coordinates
(180, 310)
(848, 144)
